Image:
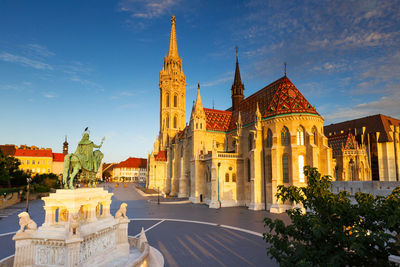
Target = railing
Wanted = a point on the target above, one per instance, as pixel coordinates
(224, 155)
(227, 155)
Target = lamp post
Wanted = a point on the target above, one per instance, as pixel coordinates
(219, 164)
(158, 196)
(28, 180)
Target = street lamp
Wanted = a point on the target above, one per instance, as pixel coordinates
(219, 164)
(28, 180)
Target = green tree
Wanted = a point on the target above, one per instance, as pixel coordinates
(334, 231)
(10, 174)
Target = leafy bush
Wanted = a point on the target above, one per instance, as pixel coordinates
(333, 231)
(41, 188)
(48, 179)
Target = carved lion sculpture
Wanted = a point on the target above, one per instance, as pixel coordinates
(26, 223)
(121, 213)
(74, 224)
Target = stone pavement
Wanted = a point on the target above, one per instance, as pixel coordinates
(186, 234)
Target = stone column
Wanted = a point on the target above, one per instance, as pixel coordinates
(122, 236)
(214, 204)
(182, 181)
(50, 217)
(106, 208)
(256, 172)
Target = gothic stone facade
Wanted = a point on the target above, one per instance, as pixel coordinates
(379, 135)
(239, 156)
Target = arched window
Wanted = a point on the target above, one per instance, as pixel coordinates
(175, 100)
(285, 137)
(167, 122)
(301, 169)
(175, 121)
(234, 177)
(248, 170)
(315, 133)
(269, 138)
(167, 100)
(227, 177)
(285, 168)
(300, 136)
(250, 142)
(269, 168)
(351, 170)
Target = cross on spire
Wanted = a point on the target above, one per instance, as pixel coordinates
(237, 52)
(285, 68)
(173, 47)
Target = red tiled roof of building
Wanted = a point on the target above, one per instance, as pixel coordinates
(342, 140)
(218, 120)
(34, 153)
(161, 156)
(58, 157)
(8, 150)
(277, 98)
(181, 134)
(375, 123)
(133, 163)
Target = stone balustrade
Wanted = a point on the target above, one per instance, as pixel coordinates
(376, 188)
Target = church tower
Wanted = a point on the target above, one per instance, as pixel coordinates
(237, 87)
(172, 93)
(65, 146)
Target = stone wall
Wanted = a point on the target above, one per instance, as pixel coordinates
(376, 188)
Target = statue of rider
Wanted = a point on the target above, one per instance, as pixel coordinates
(89, 159)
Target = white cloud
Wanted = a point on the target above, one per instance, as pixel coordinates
(218, 81)
(388, 105)
(49, 95)
(147, 9)
(40, 50)
(23, 61)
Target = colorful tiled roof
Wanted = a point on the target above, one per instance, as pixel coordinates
(217, 120)
(58, 157)
(277, 98)
(181, 134)
(342, 141)
(376, 123)
(161, 156)
(34, 153)
(133, 163)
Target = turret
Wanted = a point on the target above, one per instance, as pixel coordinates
(237, 86)
(65, 146)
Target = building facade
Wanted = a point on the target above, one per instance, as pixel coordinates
(380, 136)
(130, 170)
(350, 160)
(34, 160)
(239, 156)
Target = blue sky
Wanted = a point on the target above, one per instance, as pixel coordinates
(66, 65)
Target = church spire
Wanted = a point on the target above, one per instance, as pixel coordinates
(173, 47)
(237, 86)
(199, 104)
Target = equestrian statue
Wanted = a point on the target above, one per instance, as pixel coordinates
(84, 161)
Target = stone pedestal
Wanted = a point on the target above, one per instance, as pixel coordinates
(78, 231)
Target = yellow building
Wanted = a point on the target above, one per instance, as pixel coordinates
(35, 160)
(238, 156)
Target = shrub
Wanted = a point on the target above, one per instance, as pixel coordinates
(333, 231)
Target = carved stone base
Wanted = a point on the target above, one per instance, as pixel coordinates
(95, 239)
